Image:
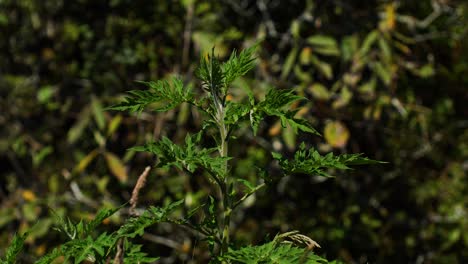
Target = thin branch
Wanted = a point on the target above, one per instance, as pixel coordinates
(162, 241)
(80, 196)
(119, 256)
(187, 34)
(247, 195)
(136, 190)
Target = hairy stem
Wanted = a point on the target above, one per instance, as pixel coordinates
(224, 187)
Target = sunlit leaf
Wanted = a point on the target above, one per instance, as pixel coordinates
(84, 162)
(42, 154)
(304, 57)
(98, 112)
(368, 42)
(319, 91)
(76, 131)
(322, 40)
(289, 137)
(336, 134)
(289, 63)
(114, 124)
(28, 195)
(343, 99)
(383, 72)
(45, 94)
(323, 67)
(116, 166)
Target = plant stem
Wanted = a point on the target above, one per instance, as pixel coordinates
(226, 199)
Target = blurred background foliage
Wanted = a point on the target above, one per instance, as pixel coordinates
(386, 78)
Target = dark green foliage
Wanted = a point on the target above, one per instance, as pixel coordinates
(311, 162)
(82, 228)
(14, 249)
(135, 226)
(274, 253)
(238, 65)
(224, 116)
(212, 76)
(168, 94)
(188, 157)
(274, 104)
(83, 246)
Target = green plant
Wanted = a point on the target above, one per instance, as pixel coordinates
(222, 119)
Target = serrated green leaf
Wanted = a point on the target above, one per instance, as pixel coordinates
(275, 104)
(136, 226)
(187, 156)
(312, 163)
(164, 95)
(15, 247)
(212, 76)
(238, 65)
(273, 252)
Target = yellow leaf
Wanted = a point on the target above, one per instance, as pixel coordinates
(305, 55)
(319, 91)
(289, 137)
(40, 250)
(336, 134)
(116, 166)
(84, 162)
(275, 129)
(114, 124)
(390, 16)
(28, 195)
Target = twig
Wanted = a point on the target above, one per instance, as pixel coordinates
(80, 196)
(266, 17)
(136, 190)
(118, 259)
(187, 34)
(247, 195)
(162, 241)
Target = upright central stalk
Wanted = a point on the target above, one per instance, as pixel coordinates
(226, 200)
